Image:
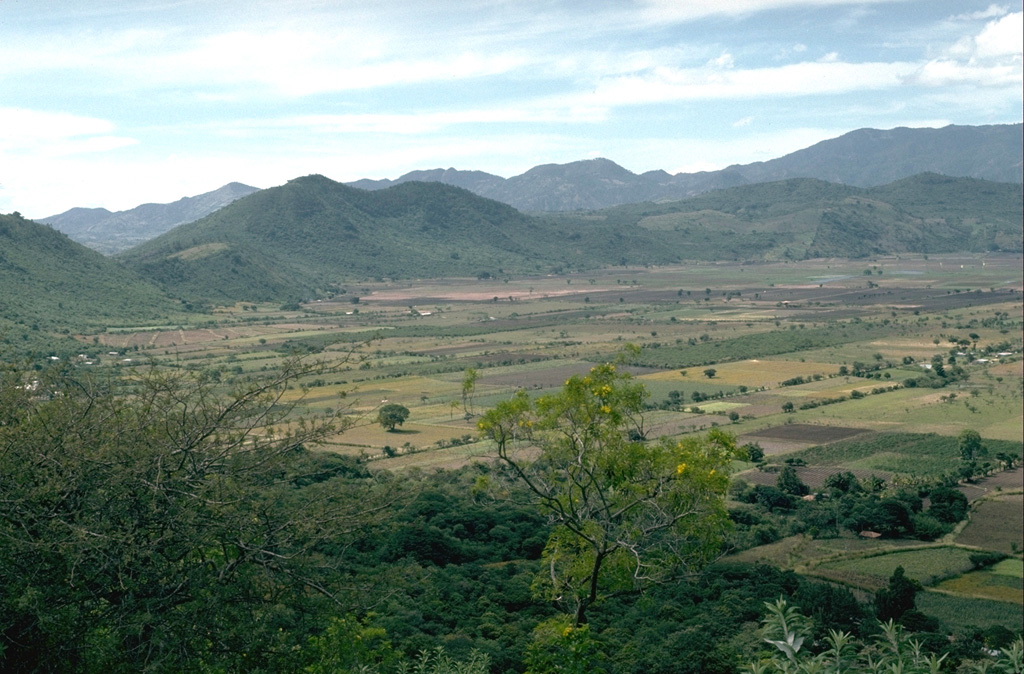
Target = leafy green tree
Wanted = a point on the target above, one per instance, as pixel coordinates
(896, 598)
(754, 451)
(161, 523)
(392, 415)
(970, 445)
(790, 483)
(842, 483)
(947, 505)
(561, 647)
(625, 511)
(469, 379)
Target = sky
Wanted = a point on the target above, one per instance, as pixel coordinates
(115, 103)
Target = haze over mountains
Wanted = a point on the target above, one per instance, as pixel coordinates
(863, 158)
(111, 232)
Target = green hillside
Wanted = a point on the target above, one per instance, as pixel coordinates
(298, 239)
(302, 239)
(51, 286)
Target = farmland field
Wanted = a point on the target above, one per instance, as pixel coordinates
(996, 524)
(724, 344)
(958, 610)
(1001, 582)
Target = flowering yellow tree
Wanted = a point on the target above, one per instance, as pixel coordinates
(626, 510)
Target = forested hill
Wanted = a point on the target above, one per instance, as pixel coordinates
(802, 218)
(294, 241)
(50, 283)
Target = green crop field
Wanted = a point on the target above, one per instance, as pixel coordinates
(954, 610)
(926, 565)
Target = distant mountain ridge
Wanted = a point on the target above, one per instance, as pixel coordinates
(862, 158)
(111, 232)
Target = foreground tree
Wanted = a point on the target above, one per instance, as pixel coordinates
(161, 523)
(626, 511)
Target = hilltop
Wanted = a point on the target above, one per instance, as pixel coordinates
(862, 158)
(802, 218)
(298, 239)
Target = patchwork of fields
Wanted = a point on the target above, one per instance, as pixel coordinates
(829, 365)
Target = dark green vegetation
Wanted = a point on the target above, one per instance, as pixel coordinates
(303, 239)
(892, 649)
(392, 415)
(806, 218)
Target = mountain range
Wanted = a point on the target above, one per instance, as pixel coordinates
(862, 158)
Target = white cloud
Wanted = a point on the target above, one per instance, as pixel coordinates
(564, 110)
(668, 84)
(991, 12)
(680, 10)
(55, 133)
(744, 121)
(1004, 37)
(724, 61)
(992, 58)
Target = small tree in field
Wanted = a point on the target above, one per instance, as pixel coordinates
(710, 373)
(392, 415)
(970, 445)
